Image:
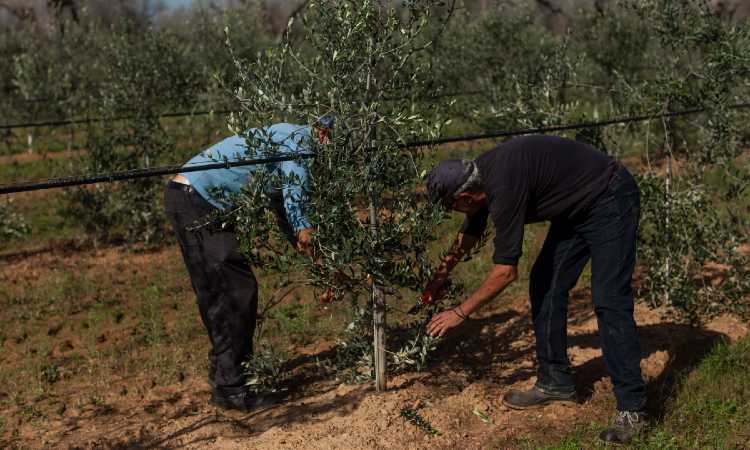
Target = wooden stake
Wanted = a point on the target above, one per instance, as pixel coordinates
(378, 298)
(668, 129)
(378, 317)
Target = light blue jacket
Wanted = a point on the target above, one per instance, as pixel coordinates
(217, 185)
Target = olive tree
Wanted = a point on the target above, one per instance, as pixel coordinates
(361, 61)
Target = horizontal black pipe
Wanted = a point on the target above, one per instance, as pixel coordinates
(142, 173)
(553, 128)
(159, 171)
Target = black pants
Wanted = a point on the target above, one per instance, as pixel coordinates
(607, 235)
(224, 283)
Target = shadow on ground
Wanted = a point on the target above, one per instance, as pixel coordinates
(496, 350)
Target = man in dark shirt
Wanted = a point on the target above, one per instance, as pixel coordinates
(593, 205)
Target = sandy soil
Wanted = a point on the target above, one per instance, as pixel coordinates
(474, 367)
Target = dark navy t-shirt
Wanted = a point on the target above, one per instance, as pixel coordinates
(532, 179)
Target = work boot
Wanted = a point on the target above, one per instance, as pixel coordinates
(536, 396)
(244, 400)
(625, 426)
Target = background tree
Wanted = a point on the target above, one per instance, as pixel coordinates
(694, 231)
(129, 133)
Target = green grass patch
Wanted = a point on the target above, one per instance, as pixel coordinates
(711, 409)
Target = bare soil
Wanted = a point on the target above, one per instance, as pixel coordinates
(472, 370)
(27, 157)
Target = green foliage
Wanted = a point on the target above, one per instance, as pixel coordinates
(265, 371)
(151, 326)
(126, 70)
(416, 351)
(703, 63)
(50, 373)
(617, 46)
(144, 76)
(693, 257)
(202, 39)
(690, 246)
(521, 71)
(12, 225)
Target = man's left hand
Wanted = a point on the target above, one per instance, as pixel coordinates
(443, 322)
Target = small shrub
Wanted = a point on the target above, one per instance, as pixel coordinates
(12, 225)
(50, 373)
(265, 371)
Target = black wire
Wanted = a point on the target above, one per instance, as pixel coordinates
(159, 171)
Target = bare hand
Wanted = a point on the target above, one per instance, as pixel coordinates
(304, 239)
(443, 322)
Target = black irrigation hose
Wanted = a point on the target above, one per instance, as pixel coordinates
(159, 171)
(141, 173)
(550, 129)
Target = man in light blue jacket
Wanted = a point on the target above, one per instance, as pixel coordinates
(223, 281)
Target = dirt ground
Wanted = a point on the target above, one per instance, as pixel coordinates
(459, 394)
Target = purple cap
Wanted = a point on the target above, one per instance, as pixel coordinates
(446, 178)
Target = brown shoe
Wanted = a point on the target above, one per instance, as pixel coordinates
(536, 397)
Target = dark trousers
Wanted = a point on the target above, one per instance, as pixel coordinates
(607, 235)
(224, 283)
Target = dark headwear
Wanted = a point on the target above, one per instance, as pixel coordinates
(325, 121)
(447, 178)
